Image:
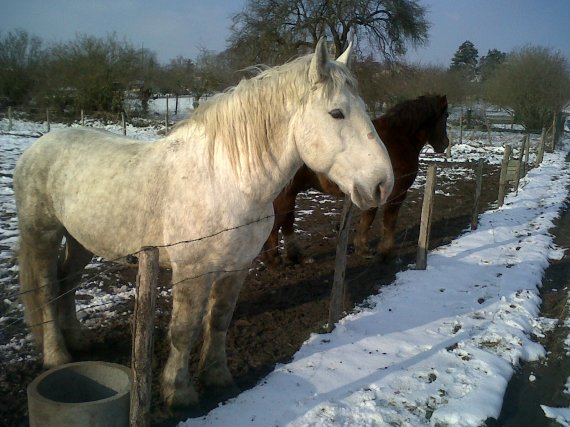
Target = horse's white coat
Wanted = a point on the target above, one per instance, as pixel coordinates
(219, 170)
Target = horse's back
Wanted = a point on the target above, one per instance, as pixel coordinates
(83, 181)
(64, 158)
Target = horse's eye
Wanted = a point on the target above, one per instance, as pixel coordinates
(336, 114)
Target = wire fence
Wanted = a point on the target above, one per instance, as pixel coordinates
(132, 260)
(15, 318)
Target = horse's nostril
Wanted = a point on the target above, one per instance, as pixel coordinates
(378, 194)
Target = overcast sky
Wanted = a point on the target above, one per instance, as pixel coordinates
(182, 27)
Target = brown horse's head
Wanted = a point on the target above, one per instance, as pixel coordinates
(437, 131)
(419, 121)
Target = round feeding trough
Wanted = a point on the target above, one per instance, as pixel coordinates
(81, 394)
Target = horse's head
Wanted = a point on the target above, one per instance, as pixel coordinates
(437, 137)
(334, 135)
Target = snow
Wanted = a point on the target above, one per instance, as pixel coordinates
(560, 415)
(436, 347)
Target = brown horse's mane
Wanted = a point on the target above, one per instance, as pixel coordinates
(415, 114)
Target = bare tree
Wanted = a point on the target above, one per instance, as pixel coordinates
(533, 81)
(211, 74)
(275, 30)
(20, 57)
(176, 78)
(382, 86)
(93, 73)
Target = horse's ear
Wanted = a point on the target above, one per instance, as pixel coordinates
(319, 68)
(346, 57)
(443, 101)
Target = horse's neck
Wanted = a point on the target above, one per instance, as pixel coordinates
(413, 142)
(420, 140)
(279, 166)
(259, 182)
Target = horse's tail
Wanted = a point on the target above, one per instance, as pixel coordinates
(30, 291)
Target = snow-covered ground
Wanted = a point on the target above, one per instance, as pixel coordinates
(158, 106)
(436, 347)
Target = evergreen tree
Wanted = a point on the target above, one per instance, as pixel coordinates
(489, 63)
(465, 60)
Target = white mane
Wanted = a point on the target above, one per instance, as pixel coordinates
(245, 118)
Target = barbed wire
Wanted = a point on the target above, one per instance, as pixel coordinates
(92, 277)
(186, 241)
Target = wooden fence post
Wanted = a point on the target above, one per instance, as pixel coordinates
(337, 292)
(488, 130)
(478, 181)
(48, 120)
(425, 222)
(519, 169)
(143, 325)
(166, 117)
(540, 151)
(552, 145)
(124, 123)
(526, 154)
(9, 118)
(82, 118)
(461, 127)
(503, 176)
(450, 138)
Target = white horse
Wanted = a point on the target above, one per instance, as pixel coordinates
(219, 170)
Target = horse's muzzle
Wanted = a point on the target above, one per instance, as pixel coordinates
(366, 199)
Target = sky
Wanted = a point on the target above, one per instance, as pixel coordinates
(183, 27)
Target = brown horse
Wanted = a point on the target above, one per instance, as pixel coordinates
(404, 129)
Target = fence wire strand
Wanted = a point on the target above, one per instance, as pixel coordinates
(119, 267)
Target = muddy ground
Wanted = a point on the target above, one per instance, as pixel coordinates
(279, 309)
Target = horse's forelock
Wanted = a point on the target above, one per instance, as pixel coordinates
(339, 78)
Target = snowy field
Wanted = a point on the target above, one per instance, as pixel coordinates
(436, 347)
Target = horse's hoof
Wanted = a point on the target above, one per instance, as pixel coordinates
(221, 393)
(180, 398)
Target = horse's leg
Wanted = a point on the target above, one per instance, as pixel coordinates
(213, 367)
(40, 288)
(189, 300)
(361, 236)
(292, 249)
(72, 261)
(389, 219)
(270, 254)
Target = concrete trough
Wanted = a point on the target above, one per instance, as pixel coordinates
(95, 394)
